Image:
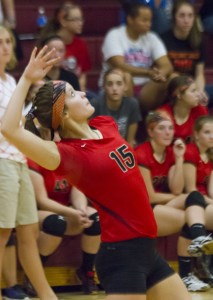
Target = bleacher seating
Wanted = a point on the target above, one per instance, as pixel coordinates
(99, 17)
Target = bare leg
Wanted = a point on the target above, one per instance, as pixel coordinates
(165, 215)
(47, 244)
(9, 267)
(152, 95)
(127, 297)
(208, 217)
(30, 260)
(172, 288)
(4, 236)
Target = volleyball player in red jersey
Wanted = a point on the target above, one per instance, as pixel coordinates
(183, 106)
(59, 209)
(198, 170)
(99, 162)
(161, 165)
(199, 159)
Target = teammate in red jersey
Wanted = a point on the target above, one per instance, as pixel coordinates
(161, 165)
(59, 208)
(198, 170)
(198, 164)
(98, 161)
(184, 105)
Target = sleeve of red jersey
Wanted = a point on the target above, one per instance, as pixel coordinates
(33, 166)
(191, 155)
(142, 156)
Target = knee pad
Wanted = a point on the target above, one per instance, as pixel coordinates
(55, 225)
(94, 229)
(11, 241)
(185, 232)
(195, 198)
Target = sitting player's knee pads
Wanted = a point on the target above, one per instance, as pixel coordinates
(55, 225)
(94, 229)
(195, 198)
(11, 241)
(185, 232)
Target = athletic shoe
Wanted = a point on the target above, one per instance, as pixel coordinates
(193, 284)
(15, 292)
(202, 271)
(88, 282)
(28, 288)
(201, 245)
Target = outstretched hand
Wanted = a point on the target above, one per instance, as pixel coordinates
(40, 64)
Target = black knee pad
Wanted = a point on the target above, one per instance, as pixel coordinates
(11, 241)
(94, 229)
(195, 198)
(55, 225)
(185, 232)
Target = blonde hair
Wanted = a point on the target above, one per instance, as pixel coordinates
(13, 61)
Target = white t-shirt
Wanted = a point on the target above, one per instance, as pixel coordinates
(7, 150)
(140, 53)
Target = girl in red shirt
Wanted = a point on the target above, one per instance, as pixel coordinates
(161, 165)
(184, 105)
(198, 171)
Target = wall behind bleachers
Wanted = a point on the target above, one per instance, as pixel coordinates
(99, 16)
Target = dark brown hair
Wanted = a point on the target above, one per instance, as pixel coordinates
(41, 109)
(178, 84)
(53, 25)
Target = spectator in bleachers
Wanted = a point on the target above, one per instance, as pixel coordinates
(18, 205)
(8, 19)
(184, 105)
(141, 53)
(161, 164)
(185, 46)
(60, 207)
(58, 72)
(198, 172)
(206, 14)
(68, 24)
(113, 102)
(162, 13)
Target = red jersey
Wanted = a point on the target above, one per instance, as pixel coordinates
(185, 130)
(203, 170)
(106, 172)
(57, 186)
(77, 51)
(159, 171)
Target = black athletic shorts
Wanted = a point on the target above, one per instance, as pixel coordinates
(130, 267)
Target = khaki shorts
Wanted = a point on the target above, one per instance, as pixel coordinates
(17, 198)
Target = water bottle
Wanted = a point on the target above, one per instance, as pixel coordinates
(42, 18)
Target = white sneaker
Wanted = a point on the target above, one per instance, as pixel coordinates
(201, 245)
(193, 284)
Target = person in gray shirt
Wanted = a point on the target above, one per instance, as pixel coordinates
(113, 102)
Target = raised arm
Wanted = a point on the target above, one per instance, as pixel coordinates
(42, 152)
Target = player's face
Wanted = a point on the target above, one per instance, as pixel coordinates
(6, 47)
(191, 96)
(184, 18)
(163, 133)
(205, 135)
(114, 87)
(78, 106)
(141, 24)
